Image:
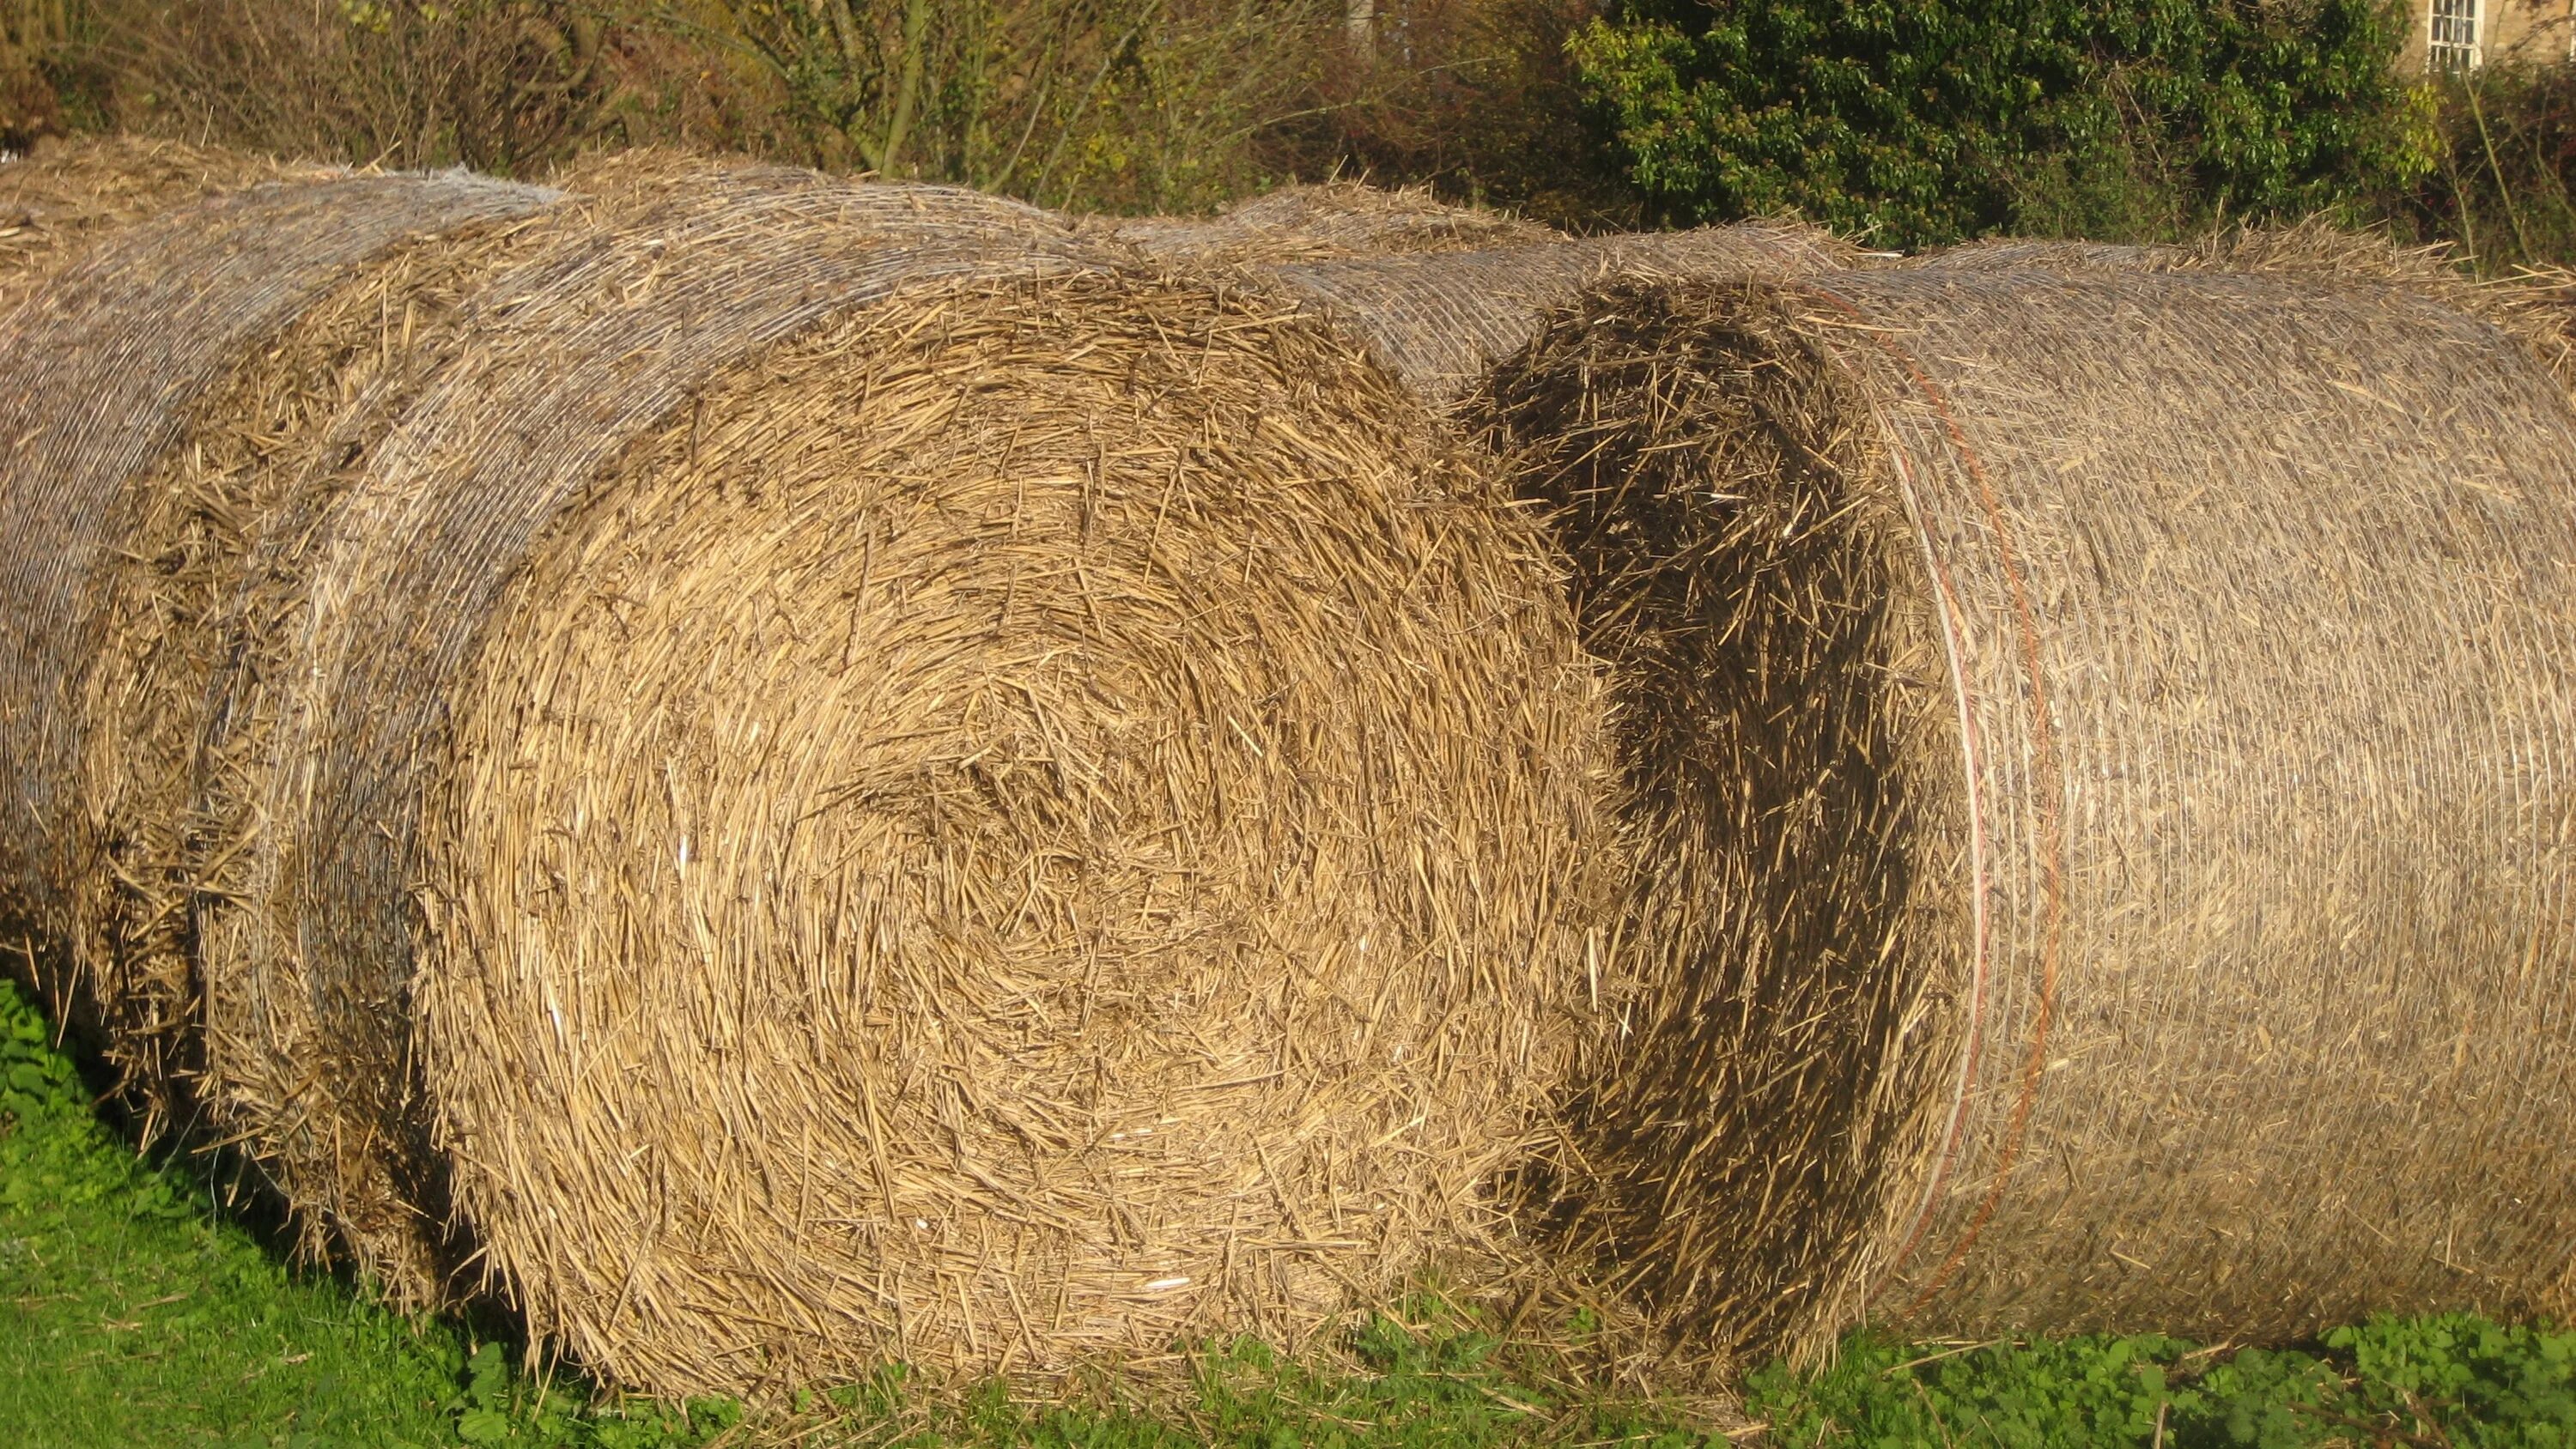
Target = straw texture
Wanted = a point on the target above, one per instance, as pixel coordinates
(65, 192)
(306, 962)
(170, 599)
(1331, 219)
(1438, 321)
(2532, 307)
(1033, 825)
(2102, 737)
(102, 374)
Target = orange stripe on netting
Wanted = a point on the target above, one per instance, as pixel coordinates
(2045, 765)
(1971, 750)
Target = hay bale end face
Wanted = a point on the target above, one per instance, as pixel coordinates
(2102, 736)
(316, 743)
(1028, 827)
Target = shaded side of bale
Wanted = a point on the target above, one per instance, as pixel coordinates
(2174, 936)
(1439, 321)
(1331, 219)
(102, 373)
(206, 559)
(376, 574)
(165, 598)
(65, 193)
(1037, 824)
(1722, 1163)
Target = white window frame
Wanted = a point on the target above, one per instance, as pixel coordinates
(2454, 35)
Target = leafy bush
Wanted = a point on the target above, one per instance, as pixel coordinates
(2499, 187)
(1927, 122)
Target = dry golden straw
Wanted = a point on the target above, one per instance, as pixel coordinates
(1027, 826)
(1078, 786)
(306, 970)
(1327, 220)
(188, 603)
(66, 192)
(105, 371)
(2100, 736)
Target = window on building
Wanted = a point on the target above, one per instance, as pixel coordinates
(2455, 43)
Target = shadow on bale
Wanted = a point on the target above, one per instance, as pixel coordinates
(131, 347)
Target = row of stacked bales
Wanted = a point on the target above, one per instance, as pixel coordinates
(110, 365)
(807, 774)
(797, 773)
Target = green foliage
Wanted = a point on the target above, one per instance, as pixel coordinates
(1438, 1374)
(127, 1309)
(2500, 185)
(133, 1312)
(2451, 1379)
(1932, 121)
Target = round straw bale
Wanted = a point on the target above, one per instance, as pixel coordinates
(380, 867)
(307, 1063)
(1438, 321)
(165, 599)
(2102, 737)
(1330, 219)
(104, 371)
(1023, 827)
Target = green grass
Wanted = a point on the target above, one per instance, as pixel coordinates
(2452, 1379)
(134, 1312)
